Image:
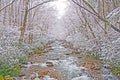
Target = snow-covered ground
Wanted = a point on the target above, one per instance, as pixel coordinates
(10, 50)
(108, 45)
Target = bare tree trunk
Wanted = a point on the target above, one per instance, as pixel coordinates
(23, 27)
(0, 4)
(4, 20)
(99, 9)
(92, 32)
(30, 25)
(108, 6)
(115, 3)
(84, 31)
(19, 9)
(10, 14)
(103, 11)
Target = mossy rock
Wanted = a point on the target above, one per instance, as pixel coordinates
(8, 77)
(1, 77)
(40, 51)
(115, 71)
(6, 70)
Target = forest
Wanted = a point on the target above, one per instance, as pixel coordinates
(59, 39)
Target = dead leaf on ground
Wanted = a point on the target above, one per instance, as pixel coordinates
(54, 75)
(41, 73)
(90, 65)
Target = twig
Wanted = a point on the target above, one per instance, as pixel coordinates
(40, 4)
(7, 5)
(116, 29)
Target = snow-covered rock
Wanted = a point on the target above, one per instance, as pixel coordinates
(82, 78)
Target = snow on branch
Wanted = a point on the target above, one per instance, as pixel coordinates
(40, 4)
(114, 13)
(95, 14)
(7, 5)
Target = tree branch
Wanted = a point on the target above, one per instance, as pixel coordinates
(40, 4)
(113, 27)
(7, 5)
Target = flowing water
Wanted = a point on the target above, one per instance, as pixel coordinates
(64, 65)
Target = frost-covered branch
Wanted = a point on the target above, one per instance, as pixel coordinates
(100, 17)
(7, 5)
(40, 4)
(114, 13)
